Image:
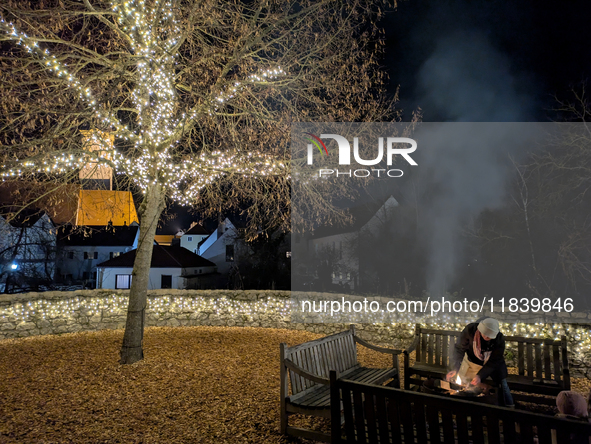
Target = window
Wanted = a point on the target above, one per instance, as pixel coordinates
(200, 270)
(288, 254)
(91, 255)
(85, 255)
(229, 253)
(86, 275)
(113, 254)
(123, 281)
(189, 238)
(96, 254)
(70, 255)
(165, 281)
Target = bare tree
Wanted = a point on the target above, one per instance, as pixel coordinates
(199, 96)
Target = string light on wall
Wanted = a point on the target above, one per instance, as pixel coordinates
(98, 311)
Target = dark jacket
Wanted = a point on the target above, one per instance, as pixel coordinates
(495, 367)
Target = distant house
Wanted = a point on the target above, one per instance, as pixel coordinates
(340, 252)
(82, 249)
(223, 247)
(27, 249)
(194, 236)
(171, 267)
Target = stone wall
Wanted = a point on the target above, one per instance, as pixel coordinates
(66, 312)
(32, 314)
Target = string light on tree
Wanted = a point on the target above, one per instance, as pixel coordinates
(158, 129)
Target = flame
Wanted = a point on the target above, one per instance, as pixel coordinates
(458, 380)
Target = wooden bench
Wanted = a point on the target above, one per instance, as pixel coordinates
(383, 415)
(542, 364)
(309, 364)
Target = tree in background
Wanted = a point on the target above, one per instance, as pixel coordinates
(199, 97)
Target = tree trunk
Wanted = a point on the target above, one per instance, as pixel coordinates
(152, 206)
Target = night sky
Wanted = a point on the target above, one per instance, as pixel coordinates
(523, 51)
(485, 61)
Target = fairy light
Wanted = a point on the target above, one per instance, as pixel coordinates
(153, 35)
(90, 310)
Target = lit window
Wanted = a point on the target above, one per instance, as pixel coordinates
(288, 254)
(123, 281)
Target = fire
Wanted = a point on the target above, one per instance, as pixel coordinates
(458, 380)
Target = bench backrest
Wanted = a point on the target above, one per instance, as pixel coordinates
(374, 414)
(539, 358)
(335, 352)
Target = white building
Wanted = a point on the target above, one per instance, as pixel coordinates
(27, 249)
(193, 237)
(340, 252)
(223, 247)
(82, 249)
(171, 267)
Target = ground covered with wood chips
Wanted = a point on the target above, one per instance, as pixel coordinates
(195, 385)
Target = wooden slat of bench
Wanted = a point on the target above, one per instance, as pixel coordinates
(557, 373)
(369, 375)
(539, 361)
(529, 340)
(432, 415)
(370, 417)
(477, 427)
(493, 431)
(423, 349)
(325, 349)
(462, 422)
(404, 409)
(521, 358)
(296, 380)
(348, 412)
(547, 367)
(306, 383)
(350, 352)
(420, 420)
(448, 426)
(359, 417)
(430, 349)
(544, 434)
(316, 342)
(394, 420)
(526, 432)
(530, 359)
(441, 332)
(381, 417)
(445, 350)
(438, 359)
(319, 396)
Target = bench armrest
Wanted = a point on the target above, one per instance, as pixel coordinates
(389, 351)
(304, 374)
(412, 346)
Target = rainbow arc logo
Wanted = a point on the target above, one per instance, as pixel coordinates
(317, 142)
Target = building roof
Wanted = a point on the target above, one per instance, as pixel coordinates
(94, 236)
(197, 229)
(23, 218)
(99, 207)
(162, 257)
